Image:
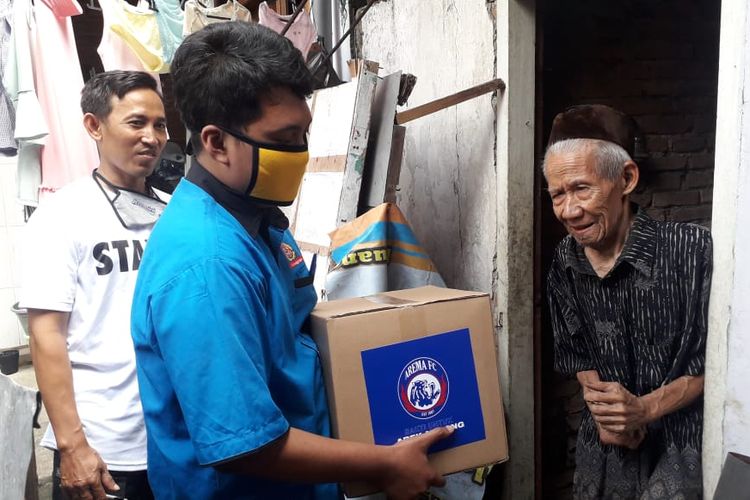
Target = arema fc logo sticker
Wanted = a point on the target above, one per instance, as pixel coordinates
(291, 255)
(423, 388)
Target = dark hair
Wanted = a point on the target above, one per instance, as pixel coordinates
(221, 72)
(96, 96)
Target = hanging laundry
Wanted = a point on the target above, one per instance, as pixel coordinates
(199, 14)
(29, 173)
(138, 27)
(30, 125)
(8, 144)
(18, 75)
(113, 51)
(68, 151)
(302, 33)
(170, 17)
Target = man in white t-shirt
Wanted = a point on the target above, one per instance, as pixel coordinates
(82, 251)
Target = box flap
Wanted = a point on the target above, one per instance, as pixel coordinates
(430, 294)
(390, 300)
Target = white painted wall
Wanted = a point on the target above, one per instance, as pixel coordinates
(11, 225)
(468, 172)
(727, 399)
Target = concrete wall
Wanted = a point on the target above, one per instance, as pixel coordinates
(637, 57)
(727, 407)
(467, 177)
(448, 171)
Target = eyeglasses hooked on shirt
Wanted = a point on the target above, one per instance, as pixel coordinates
(133, 209)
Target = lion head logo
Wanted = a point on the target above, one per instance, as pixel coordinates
(423, 388)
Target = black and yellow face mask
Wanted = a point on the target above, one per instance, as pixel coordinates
(277, 170)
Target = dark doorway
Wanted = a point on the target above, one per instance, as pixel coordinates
(658, 62)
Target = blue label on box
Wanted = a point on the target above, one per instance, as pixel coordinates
(421, 384)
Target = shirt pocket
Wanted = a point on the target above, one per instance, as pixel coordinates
(611, 340)
(659, 328)
(656, 316)
(306, 277)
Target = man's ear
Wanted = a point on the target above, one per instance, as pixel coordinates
(213, 144)
(630, 176)
(93, 126)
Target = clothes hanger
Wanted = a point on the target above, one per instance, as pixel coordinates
(354, 24)
(289, 23)
(211, 16)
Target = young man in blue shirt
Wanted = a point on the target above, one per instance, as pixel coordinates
(230, 380)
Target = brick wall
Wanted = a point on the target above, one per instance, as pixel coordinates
(658, 62)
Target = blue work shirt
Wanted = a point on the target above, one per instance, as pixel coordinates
(224, 364)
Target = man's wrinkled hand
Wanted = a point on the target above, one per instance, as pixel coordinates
(631, 440)
(83, 474)
(614, 408)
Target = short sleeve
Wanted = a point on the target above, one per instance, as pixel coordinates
(49, 261)
(571, 352)
(691, 358)
(211, 331)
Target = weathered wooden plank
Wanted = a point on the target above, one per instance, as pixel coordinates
(394, 164)
(311, 216)
(448, 101)
(327, 164)
(381, 137)
(355, 163)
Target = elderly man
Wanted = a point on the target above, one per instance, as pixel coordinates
(628, 297)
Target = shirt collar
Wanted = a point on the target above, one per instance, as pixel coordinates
(251, 215)
(639, 250)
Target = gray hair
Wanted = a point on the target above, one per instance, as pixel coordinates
(609, 158)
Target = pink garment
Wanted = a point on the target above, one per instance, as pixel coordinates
(68, 151)
(113, 51)
(63, 8)
(302, 33)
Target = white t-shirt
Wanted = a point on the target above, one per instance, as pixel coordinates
(78, 258)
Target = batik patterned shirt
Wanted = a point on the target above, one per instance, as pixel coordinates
(643, 325)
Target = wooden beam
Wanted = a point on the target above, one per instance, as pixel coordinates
(394, 166)
(378, 158)
(448, 101)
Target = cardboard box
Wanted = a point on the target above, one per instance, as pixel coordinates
(398, 364)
